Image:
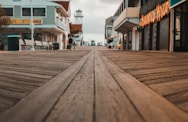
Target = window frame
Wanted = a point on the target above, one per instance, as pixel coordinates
(9, 8)
(39, 8)
(42, 7)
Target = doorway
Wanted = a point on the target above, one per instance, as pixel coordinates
(180, 31)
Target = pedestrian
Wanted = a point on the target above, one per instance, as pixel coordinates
(74, 44)
(70, 42)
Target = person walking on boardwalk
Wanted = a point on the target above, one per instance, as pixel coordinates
(70, 42)
(74, 44)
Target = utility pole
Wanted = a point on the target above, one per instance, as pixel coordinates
(32, 26)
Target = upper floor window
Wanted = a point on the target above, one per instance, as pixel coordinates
(8, 11)
(26, 11)
(38, 11)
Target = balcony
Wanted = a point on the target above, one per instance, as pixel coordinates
(60, 22)
(128, 18)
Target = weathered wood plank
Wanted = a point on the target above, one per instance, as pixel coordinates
(178, 98)
(37, 105)
(76, 104)
(184, 106)
(170, 87)
(26, 74)
(112, 105)
(21, 82)
(29, 70)
(23, 78)
(11, 94)
(152, 106)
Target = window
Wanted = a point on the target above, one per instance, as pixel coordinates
(38, 11)
(8, 11)
(37, 36)
(26, 12)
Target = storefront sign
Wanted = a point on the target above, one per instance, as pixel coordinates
(156, 15)
(25, 21)
(174, 3)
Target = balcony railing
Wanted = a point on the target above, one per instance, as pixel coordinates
(130, 12)
(59, 23)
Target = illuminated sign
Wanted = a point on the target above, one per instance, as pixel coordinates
(156, 15)
(174, 3)
(25, 21)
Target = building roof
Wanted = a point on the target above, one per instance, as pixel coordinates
(28, 3)
(65, 4)
(75, 28)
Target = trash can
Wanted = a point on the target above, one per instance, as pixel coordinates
(56, 46)
(1, 46)
(68, 46)
(13, 42)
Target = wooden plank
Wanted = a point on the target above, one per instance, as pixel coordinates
(178, 98)
(5, 103)
(29, 70)
(11, 94)
(184, 106)
(112, 105)
(27, 83)
(166, 79)
(170, 87)
(158, 70)
(152, 106)
(162, 75)
(23, 78)
(76, 104)
(26, 74)
(37, 105)
(16, 86)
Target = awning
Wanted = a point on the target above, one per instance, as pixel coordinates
(127, 25)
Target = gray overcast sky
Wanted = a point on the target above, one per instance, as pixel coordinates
(95, 12)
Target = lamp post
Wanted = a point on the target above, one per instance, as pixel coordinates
(32, 26)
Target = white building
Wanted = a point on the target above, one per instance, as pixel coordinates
(50, 20)
(126, 23)
(76, 28)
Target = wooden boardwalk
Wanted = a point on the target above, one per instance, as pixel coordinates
(85, 86)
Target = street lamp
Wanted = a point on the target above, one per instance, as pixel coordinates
(32, 26)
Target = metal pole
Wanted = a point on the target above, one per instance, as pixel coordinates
(32, 26)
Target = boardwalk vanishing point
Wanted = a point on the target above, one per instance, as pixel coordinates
(93, 84)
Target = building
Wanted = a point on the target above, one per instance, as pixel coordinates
(178, 25)
(109, 30)
(154, 24)
(126, 21)
(38, 20)
(110, 35)
(76, 28)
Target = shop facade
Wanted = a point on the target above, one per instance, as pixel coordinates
(126, 21)
(38, 21)
(154, 25)
(179, 25)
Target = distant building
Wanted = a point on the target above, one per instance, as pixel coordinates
(93, 43)
(126, 21)
(50, 20)
(108, 29)
(76, 28)
(110, 35)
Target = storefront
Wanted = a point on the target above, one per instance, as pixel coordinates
(154, 24)
(180, 25)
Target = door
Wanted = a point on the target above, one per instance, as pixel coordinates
(180, 41)
(13, 43)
